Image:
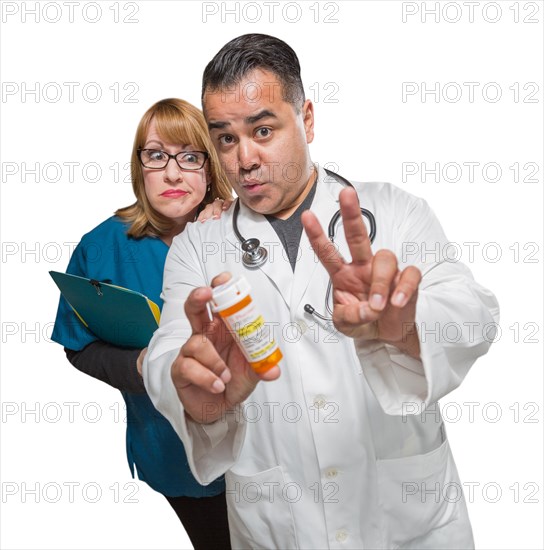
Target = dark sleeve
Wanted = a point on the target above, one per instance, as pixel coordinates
(111, 364)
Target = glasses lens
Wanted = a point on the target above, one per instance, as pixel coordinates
(191, 160)
(152, 158)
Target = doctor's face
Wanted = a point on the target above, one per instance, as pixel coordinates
(262, 143)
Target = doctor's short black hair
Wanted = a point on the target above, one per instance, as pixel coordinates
(248, 52)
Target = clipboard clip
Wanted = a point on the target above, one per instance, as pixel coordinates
(97, 287)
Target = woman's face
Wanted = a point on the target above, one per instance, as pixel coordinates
(173, 192)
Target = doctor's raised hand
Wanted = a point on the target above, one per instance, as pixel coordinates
(372, 298)
(210, 374)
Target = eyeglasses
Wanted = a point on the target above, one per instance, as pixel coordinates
(186, 160)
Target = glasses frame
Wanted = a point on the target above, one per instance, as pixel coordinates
(139, 152)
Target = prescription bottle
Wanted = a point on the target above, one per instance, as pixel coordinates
(239, 312)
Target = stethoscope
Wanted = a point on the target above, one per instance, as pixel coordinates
(256, 255)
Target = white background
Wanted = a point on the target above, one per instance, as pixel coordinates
(359, 53)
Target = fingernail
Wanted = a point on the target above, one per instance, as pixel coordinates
(399, 299)
(215, 217)
(377, 302)
(226, 376)
(218, 386)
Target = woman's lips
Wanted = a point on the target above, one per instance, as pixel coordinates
(173, 193)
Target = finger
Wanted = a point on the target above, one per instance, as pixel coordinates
(221, 279)
(325, 250)
(202, 350)
(227, 204)
(270, 374)
(217, 208)
(355, 319)
(205, 213)
(407, 286)
(384, 270)
(354, 227)
(344, 298)
(197, 309)
(186, 371)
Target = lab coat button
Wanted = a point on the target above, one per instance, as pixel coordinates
(341, 536)
(331, 473)
(303, 326)
(320, 401)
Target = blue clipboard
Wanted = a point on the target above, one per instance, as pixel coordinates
(114, 314)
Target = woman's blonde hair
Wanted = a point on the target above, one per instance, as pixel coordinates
(177, 121)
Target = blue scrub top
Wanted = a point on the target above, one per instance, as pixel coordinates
(152, 445)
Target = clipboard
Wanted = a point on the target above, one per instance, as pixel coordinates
(114, 314)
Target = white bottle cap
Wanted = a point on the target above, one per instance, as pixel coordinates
(228, 294)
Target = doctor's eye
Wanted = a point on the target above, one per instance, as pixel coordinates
(263, 132)
(226, 139)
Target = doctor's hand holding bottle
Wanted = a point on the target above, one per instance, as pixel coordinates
(211, 375)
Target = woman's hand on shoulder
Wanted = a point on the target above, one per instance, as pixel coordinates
(140, 361)
(215, 209)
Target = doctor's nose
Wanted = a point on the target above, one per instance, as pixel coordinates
(248, 156)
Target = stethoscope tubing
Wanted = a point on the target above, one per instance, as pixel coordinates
(256, 255)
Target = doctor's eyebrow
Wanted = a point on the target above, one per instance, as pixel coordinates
(217, 125)
(265, 113)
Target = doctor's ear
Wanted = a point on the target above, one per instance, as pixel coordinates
(308, 120)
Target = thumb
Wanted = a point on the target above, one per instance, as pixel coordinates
(221, 279)
(197, 309)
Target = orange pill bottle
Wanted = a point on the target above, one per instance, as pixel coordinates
(239, 312)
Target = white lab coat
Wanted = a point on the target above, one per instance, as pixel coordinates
(324, 457)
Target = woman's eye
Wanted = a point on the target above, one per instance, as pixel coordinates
(156, 155)
(190, 158)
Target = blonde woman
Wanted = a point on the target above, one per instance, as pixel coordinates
(175, 174)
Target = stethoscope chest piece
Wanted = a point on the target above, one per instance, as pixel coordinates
(254, 255)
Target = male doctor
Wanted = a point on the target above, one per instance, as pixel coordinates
(341, 445)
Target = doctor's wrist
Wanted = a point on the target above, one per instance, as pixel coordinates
(212, 413)
(408, 342)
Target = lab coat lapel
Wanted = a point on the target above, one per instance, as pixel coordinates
(277, 267)
(324, 206)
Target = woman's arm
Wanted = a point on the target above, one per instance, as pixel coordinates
(111, 364)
